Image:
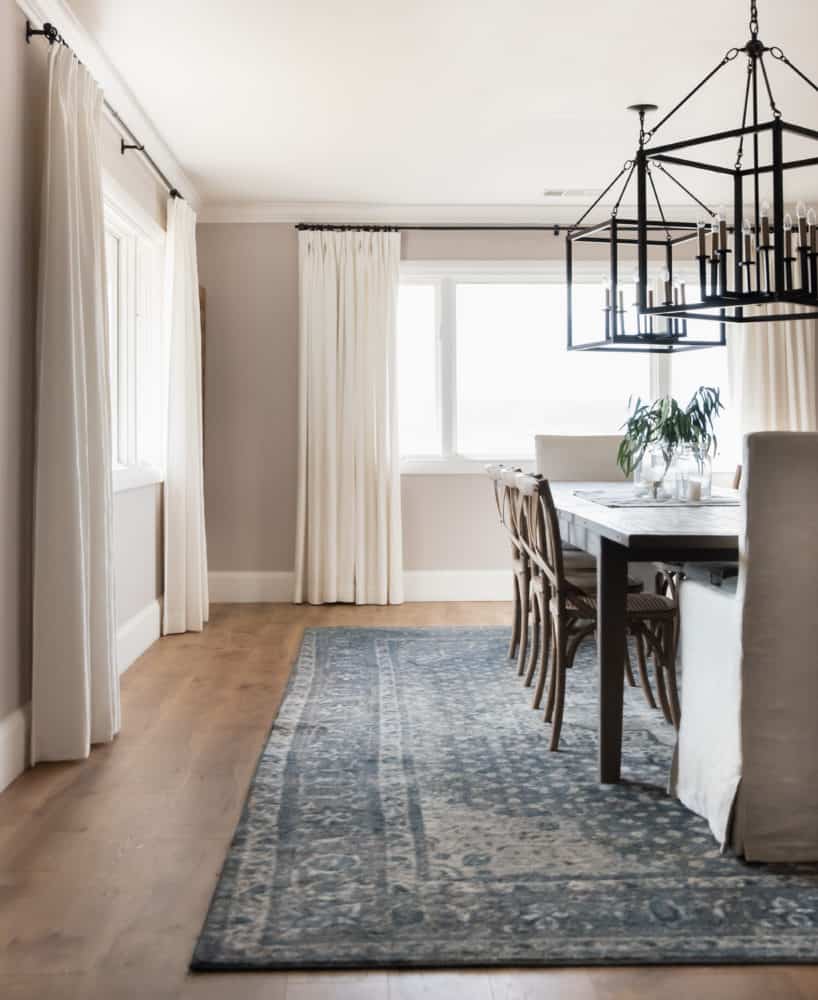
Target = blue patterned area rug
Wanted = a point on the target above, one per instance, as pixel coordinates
(406, 812)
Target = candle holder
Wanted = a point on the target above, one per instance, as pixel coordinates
(788, 273)
(749, 265)
(764, 251)
(804, 268)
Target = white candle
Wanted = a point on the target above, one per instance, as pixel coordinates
(765, 224)
(694, 489)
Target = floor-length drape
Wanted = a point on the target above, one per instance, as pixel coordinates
(772, 370)
(348, 537)
(186, 591)
(75, 683)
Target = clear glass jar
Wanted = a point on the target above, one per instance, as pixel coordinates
(702, 478)
(654, 473)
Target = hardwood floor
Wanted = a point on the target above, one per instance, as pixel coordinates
(106, 867)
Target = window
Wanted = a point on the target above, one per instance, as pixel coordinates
(133, 253)
(483, 364)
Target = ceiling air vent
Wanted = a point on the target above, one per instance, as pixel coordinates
(571, 192)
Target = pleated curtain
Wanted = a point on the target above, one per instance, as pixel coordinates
(348, 535)
(772, 372)
(186, 606)
(75, 682)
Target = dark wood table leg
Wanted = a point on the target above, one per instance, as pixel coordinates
(612, 595)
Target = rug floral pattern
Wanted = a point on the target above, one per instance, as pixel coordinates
(406, 811)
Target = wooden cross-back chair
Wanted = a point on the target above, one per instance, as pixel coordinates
(504, 480)
(567, 613)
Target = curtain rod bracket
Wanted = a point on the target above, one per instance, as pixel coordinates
(53, 35)
(47, 31)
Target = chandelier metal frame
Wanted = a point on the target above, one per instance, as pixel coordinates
(766, 270)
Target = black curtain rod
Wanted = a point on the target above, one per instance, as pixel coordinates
(50, 32)
(550, 227)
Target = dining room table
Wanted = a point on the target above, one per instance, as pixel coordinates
(612, 523)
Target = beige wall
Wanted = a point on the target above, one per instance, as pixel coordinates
(136, 525)
(250, 272)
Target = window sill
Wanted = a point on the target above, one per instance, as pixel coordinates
(458, 466)
(134, 477)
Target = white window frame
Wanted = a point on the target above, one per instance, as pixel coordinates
(444, 275)
(138, 459)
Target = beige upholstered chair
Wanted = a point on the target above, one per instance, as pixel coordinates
(567, 612)
(747, 752)
(578, 458)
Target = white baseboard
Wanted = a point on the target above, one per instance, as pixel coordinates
(132, 639)
(138, 634)
(419, 585)
(14, 744)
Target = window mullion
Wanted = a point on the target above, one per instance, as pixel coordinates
(448, 368)
(660, 375)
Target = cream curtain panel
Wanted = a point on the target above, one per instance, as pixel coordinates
(186, 590)
(75, 682)
(772, 371)
(348, 533)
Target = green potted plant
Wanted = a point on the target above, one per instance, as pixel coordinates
(663, 430)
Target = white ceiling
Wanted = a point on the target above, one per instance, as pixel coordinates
(456, 102)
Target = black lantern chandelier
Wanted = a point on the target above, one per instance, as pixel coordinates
(760, 267)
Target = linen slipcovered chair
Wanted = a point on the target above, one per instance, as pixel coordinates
(747, 752)
(568, 613)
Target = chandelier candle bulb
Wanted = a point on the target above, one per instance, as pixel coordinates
(813, 234)
(701, 235)
(683, 292)
(666, 280)
(788, 235)
(765, 224)
(748, 240)
(621, 301)
(714, 237)
(801, 212)
(722, 217)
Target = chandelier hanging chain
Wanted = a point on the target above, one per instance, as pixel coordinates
(658, 202)
(729, 56)
(618, 201)
(773, 105)
(776, 53)
(754, 18)
(629, 164)
(740, 153)
(687, 191)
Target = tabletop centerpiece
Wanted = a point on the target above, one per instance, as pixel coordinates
(668, 448)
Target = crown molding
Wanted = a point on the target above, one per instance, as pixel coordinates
(291, 212)
(116, 91)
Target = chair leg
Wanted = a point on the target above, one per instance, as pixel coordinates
(642, 666)
(628, 668)
(535, 641)
(525, 608)
(515, 622)
(560, 662)
(556, 639)
(545, 651)
(669, 664)
(656, 643)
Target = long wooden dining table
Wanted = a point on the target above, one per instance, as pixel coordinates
(617, 536)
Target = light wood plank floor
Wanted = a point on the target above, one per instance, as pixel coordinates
(106, 867)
